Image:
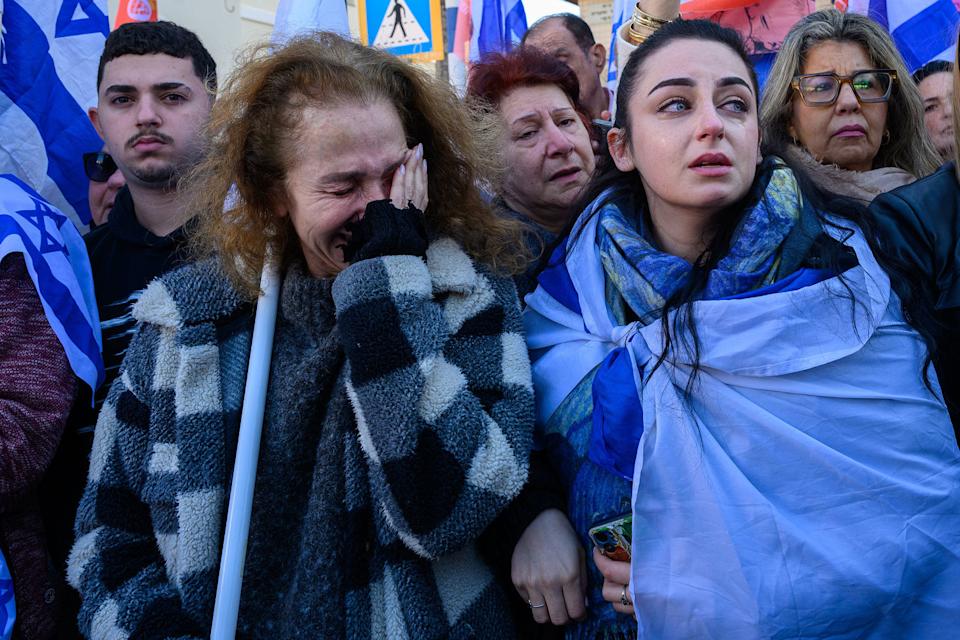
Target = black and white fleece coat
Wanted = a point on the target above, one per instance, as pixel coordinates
(438, 419)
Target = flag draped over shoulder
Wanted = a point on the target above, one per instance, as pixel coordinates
(301, 16)
(58, 265)
(924, 30)
(49, 55)
(495, 25)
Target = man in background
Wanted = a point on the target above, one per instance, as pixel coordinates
(105, 181)
(569, 39)
(155, 88)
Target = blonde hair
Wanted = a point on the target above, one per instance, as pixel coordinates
(253, 128)
(908, 147)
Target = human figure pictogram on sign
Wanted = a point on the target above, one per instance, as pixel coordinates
(398, 10)
(399, 26)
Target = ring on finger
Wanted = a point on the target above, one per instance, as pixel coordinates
(623, 597)
(536, 606)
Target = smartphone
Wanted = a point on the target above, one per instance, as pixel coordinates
(612, 537)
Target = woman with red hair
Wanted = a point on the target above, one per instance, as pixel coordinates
(547, 152)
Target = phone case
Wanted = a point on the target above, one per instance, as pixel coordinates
(613, 537)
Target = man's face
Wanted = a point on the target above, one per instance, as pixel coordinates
(553, 38)
(150, 112)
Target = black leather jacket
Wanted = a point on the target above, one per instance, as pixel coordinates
(920, 224)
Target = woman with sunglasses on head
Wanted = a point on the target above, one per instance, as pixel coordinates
(105, 182)
(719, 357)
(840, 100)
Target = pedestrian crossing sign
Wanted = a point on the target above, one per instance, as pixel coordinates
(410, 28)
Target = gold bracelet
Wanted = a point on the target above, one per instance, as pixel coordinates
(643, 25)
(636, 37)
(640, 14)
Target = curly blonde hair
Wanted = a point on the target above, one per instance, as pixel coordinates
(908, 147)
(252, 136)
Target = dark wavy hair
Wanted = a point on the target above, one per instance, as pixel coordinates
(680, 327)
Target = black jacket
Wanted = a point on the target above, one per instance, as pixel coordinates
(920, 224)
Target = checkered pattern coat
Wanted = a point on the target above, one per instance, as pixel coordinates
(438, 378)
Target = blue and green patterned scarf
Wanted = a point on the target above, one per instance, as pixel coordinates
(767, 244)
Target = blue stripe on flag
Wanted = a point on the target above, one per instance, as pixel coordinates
(516, 24)
(57, 295)
(618, 17)
(451, 16)
(30, 80)
(490, 35)
(878, 11)
(612, 59)
(927, 34)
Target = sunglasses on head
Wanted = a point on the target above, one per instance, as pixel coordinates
(98, 165)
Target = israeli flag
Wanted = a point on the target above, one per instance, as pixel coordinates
(622, 10)
(497, 26)
(58, 265)
(49, 53)
(924, 30)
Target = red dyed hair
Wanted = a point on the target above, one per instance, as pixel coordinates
(497, 74)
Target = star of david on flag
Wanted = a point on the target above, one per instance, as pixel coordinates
(49, 53)
(57, 261)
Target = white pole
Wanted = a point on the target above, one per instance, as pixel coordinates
(229, 583)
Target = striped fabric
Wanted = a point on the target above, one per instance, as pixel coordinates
(49, 52)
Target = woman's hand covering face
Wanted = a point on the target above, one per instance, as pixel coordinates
(395, 226)
(409, 185)
(347, 156)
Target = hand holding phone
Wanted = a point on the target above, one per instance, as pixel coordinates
(613, 537)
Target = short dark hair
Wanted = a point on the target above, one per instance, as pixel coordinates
(145, 38)
(932, 67)
(577, 27)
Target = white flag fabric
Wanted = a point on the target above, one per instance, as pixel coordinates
(49, 53)
(924, 30)
(301, 16)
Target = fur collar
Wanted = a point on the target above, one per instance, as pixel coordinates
(200, 292)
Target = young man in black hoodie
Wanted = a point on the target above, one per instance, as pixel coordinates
(155, 86)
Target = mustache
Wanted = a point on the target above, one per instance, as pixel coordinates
(149, 133)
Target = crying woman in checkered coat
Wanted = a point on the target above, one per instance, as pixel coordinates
(399, 409)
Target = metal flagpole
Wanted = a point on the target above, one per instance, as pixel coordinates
(234, 552)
